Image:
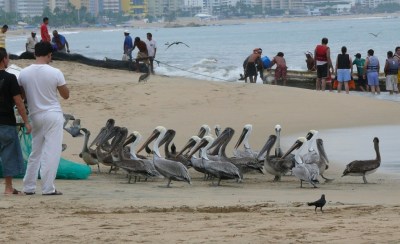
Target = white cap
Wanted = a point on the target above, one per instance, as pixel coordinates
(126, 31)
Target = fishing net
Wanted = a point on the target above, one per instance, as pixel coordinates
(66, 169)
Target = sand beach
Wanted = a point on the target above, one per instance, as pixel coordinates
(105, 208)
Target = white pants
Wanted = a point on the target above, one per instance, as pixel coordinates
(47, 136)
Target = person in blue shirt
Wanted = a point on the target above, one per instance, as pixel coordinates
(128, 45)
(60, 44)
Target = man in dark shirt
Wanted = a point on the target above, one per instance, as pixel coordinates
(10, 149)
(142, 54)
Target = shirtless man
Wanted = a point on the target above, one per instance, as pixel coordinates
(252, 61)
(281, 68)
(142, 54)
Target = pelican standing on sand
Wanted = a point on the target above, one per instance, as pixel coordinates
(171, 170)
(364, 167)
(218, 169)
(276, 166)
(244, 137)
(304, 172)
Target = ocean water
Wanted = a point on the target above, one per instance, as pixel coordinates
(347, 144)
(217, 52)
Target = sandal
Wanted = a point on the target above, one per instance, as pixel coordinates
(15, 192)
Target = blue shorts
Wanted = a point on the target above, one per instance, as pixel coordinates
(373, 78)
(10, 151)
(343, 75)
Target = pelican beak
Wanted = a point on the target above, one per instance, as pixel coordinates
(202, 132)
(131, 138)
(309, 136)
(201, 144)
(270, 142)
(150, 139)
(295, 146)
(241, 138)
(189, 144)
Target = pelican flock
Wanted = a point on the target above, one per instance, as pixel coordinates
(205, 153)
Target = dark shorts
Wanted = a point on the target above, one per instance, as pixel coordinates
(280, 72)
(322, 71)
(10, 151)
(361, 81)
(251, 69)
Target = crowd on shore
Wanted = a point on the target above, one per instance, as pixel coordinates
(321, 62)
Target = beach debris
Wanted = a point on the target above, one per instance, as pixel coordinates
(175, 43)
(319, 203)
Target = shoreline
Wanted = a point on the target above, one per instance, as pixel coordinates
(187, 22)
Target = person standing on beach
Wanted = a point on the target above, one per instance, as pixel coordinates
(281, 68)
(343, 70)
(12, 161)
(250, 65)
(60, 42)
(323, 63)
(31, 42)
(152, 49)
(371, 72)
(41, 82)
(361, 82)
(44, 32)
(397, 57)
(128, 45)
(391, 71)
(142, 54)
(3, 31)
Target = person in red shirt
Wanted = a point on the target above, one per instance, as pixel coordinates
(44, 31)
(323, 63)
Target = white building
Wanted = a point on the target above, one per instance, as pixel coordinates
(29, 8)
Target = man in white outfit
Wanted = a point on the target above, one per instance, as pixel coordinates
(151, 49)
(40, 83)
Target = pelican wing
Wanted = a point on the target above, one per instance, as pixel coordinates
(172, 169)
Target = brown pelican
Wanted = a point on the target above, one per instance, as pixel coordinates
(89, 157)
(364, 167)
(134, 166)
(276, 166)
(219, 169)
(278, 149)
(103, 150)
(304, 172)
(217, 130)
(171, 170)
(194, 162)
(172, 155)
(244, 137)
(245, 164)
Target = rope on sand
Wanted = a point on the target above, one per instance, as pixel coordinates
(209, 76)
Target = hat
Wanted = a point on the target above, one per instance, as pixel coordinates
(358, 55)
(126, 31)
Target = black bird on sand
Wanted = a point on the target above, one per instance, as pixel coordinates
(176, 43)
(319, 203)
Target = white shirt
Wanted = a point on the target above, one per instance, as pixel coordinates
(151, 47)
(31, 44)
(40, 82)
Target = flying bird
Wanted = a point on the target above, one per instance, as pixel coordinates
(319, 203)
(175, 43)
(375, 35)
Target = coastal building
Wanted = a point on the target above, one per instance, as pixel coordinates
(29, 8)
(60, 4)
(113, 6)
